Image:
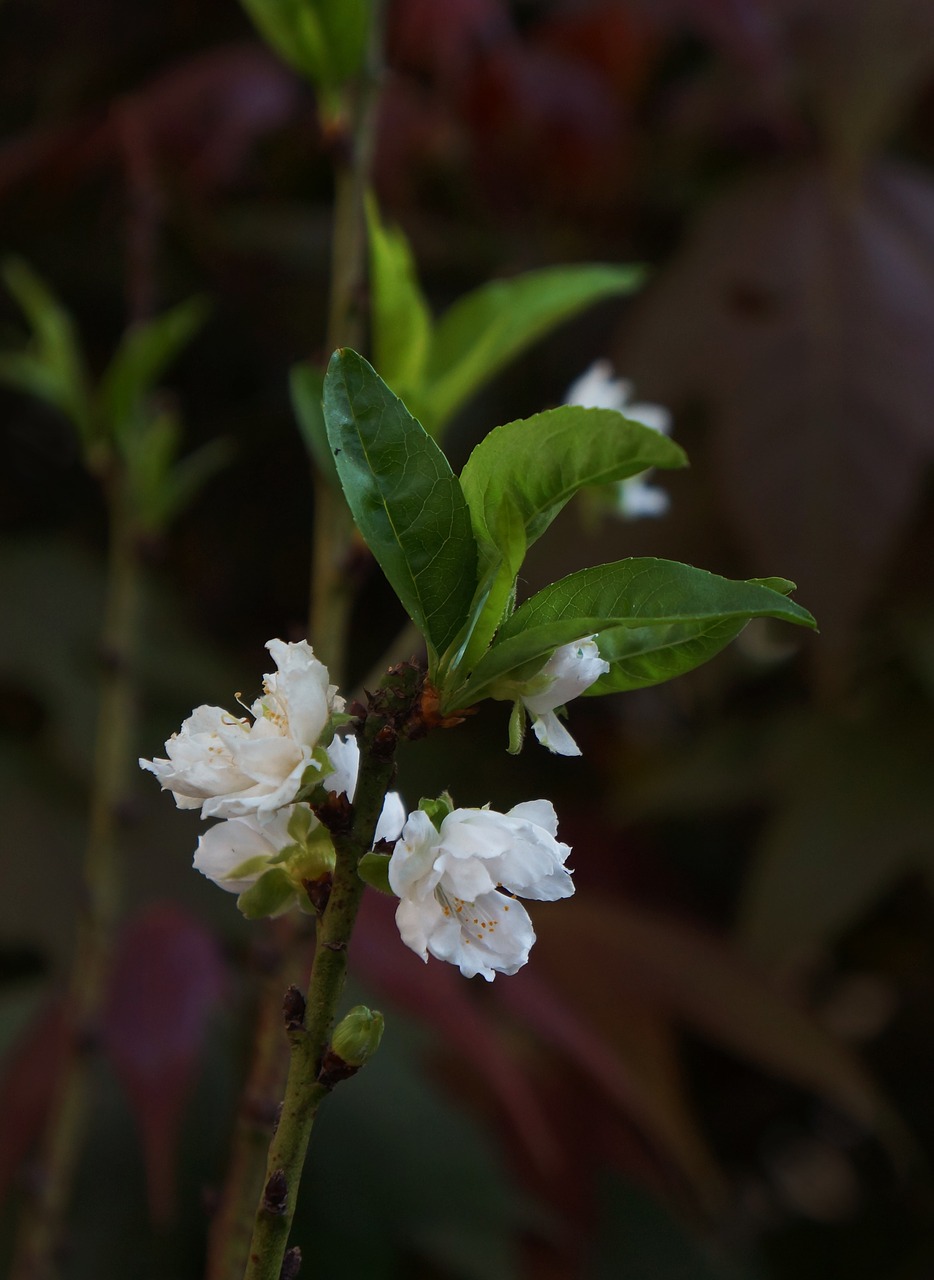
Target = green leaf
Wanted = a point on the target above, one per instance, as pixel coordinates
(324, 40)
(521, 475)
(306, 387)
(145, 352)
(407, 502)
(638, 595)
(489, 327)
(401, 320)
(53, 369)
(272, 894)
(373, 869)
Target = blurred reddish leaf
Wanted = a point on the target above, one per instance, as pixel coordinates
(616, 41)
(201, 116)
(168, 978)
(803, 313)
(700, 982)
(27, 1085)
(441, 40)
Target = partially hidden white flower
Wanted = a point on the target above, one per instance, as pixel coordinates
(234, 766)
(236, 852)
(568, 672)
(456, 884)
(597, 388)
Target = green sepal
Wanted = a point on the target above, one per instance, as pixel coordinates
(260, 862)
(517, 723)
(437, 809)
(300, 823)
(373, 869)
(272, 895)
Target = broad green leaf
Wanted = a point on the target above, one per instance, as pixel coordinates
(537, 464)
(640, 595)
(53, 367)
(521, 475)
(407, 502)
(401, 321)
(306, 388)
(489, 327)
(144, 353)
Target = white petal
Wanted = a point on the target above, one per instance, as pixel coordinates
(655, 416)
(596, 388)
(227, 845)
(411, 866)
(552, 734)
(344, 754)
(391, 819)
(635, 499)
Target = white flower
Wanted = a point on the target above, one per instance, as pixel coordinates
(456, 884)
(235, 853)
(230, 766)
(568, 672)
(598, 389)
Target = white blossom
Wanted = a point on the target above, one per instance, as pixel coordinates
(236, 852)
(568, 672)
(596, 388)
(457, 884)
(235, 766)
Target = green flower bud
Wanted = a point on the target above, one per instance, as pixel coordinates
(356, 1037)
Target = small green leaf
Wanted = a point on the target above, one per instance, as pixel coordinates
(324, 40)
(643, 596)
(272, 894)
(306, 387)
(144, 353)
(373, 869)
(484, 331)
(521, 475)
(407, 502)
(53, 369)
(401, 321)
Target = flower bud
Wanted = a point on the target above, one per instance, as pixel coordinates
(355, 1039)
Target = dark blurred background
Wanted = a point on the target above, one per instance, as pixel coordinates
(718, 1062)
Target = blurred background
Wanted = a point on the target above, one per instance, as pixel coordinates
(718, 1063)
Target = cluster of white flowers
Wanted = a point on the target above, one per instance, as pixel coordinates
(457, 882)
(248, 770)
(598, 389)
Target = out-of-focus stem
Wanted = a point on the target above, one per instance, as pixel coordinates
(40, 1236)
(332, 585)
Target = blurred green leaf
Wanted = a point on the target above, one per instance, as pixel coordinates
(306, 388)
(145, 352)
(640, 595)
(373, 869)
(401, 321)
(483, 331)
(407, 502)
(53, 367)
(324, 40)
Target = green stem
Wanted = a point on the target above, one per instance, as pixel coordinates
(303, 1093)
(39, 1239)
